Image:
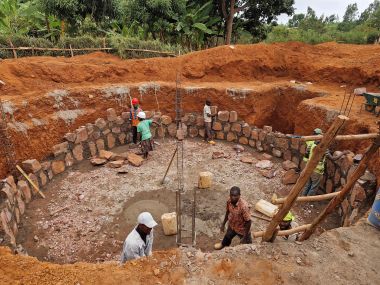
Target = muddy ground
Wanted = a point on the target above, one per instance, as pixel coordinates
(90, 210)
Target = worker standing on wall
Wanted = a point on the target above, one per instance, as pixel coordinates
(135, 109)
(207, 116)
(315, 178)
(139, 242)
(238, 215)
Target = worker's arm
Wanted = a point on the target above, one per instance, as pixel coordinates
(335, 158)
(222, 227)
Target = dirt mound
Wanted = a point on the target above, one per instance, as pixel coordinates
(328, 63)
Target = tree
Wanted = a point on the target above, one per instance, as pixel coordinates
(369, 11)
(312, 22)
(350, 18)
(255, 13)
(295, 21)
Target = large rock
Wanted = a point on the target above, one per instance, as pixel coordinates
(233, 116)
(101, 123)
(264, 164)
(25, 190)
(276, 152)
(217, 154)
(236, 127)
(268, 173)
(166, 120)
(115, 164)
(255, 134)
(282, 143)
(287, 165)
(111, 115)
(134, 159)
(60, 148)
(238, 148)
(267, 129)
(357, 194)
(78, 152)
(105, 154)
(223, 116)
(290, 177)
(193, 132)
(111, 141)
(217, 126)
(247, 159)
(31, 166)
(98, 161)
(69, 160)
(92, 147)
(231, 137)
(119, 121)
(227, 127)
(200, 121)
(172, 129)
(58, 166)
(43, 178)
(82, 135)
(246, 130)
(243, 140)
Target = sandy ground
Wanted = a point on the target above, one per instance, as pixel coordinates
(89, 211)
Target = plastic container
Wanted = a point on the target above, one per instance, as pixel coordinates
(169, 223)
(205, 180)
(374, 216)
(266, 208)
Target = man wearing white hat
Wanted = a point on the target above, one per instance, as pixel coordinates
(139, 242)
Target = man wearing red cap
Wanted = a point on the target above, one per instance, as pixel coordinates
(135, 109)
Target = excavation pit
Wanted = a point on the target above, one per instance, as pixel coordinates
(89, 211)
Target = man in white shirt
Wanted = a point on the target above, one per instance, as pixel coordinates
(208, 120)
(139, 242)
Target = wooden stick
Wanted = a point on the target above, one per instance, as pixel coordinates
(315, 198)
(359, 171)
(342, 137)
(318, 153)
(170, 163)
(30, 181)
(284, 233)
(71, 51)
(12, 48)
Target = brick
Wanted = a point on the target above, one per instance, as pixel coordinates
(99, 144)
(43, 178)
(61, 148)
(282, 143)
(223, 116)
(110, 141)
(255, 134)
(233, 117)
(100, 123)
(111, 115)
(252, 143)
(287, 155)
(119, 121)
(31, 166)
(276, 152)
(231, 137)
(220, 136)
(290, 177)
(82, 135)
(200, 121)
(172, 129)
(217, 126)
(166, 120)
(193, 132)
(267, 129)
(287, 165)
(236, 127)
(25, 190)
(243, 140)
(92, 147)
(246, 130)
(77, 153)
(58, 166)
(69, 159)
(70, 137)
(122, 138)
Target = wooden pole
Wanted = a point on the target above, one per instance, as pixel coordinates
(342, 137)
(318, 153)
(315, 198)
(13, 48)
(30, 181)
(284, 233)
(170, 163)
(359, 171)
(71, 51)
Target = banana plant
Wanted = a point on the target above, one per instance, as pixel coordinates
(17, 18)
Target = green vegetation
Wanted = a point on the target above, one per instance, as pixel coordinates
(309, 28)
(173, 25)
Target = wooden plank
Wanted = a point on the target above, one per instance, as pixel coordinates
(286, 232)
(318, 153)
(316, 198)
(359, 171)
(342, 137)
(30, 181)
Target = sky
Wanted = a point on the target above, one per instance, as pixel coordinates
(326, 7)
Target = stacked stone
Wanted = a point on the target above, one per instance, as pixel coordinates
(87, 141)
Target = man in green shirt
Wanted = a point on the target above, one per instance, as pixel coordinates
(143, 129)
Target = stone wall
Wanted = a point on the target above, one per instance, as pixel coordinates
(106, 133)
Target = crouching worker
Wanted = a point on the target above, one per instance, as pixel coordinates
(143, 129)
(139, 242)
(238, 215)
(287, 224)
